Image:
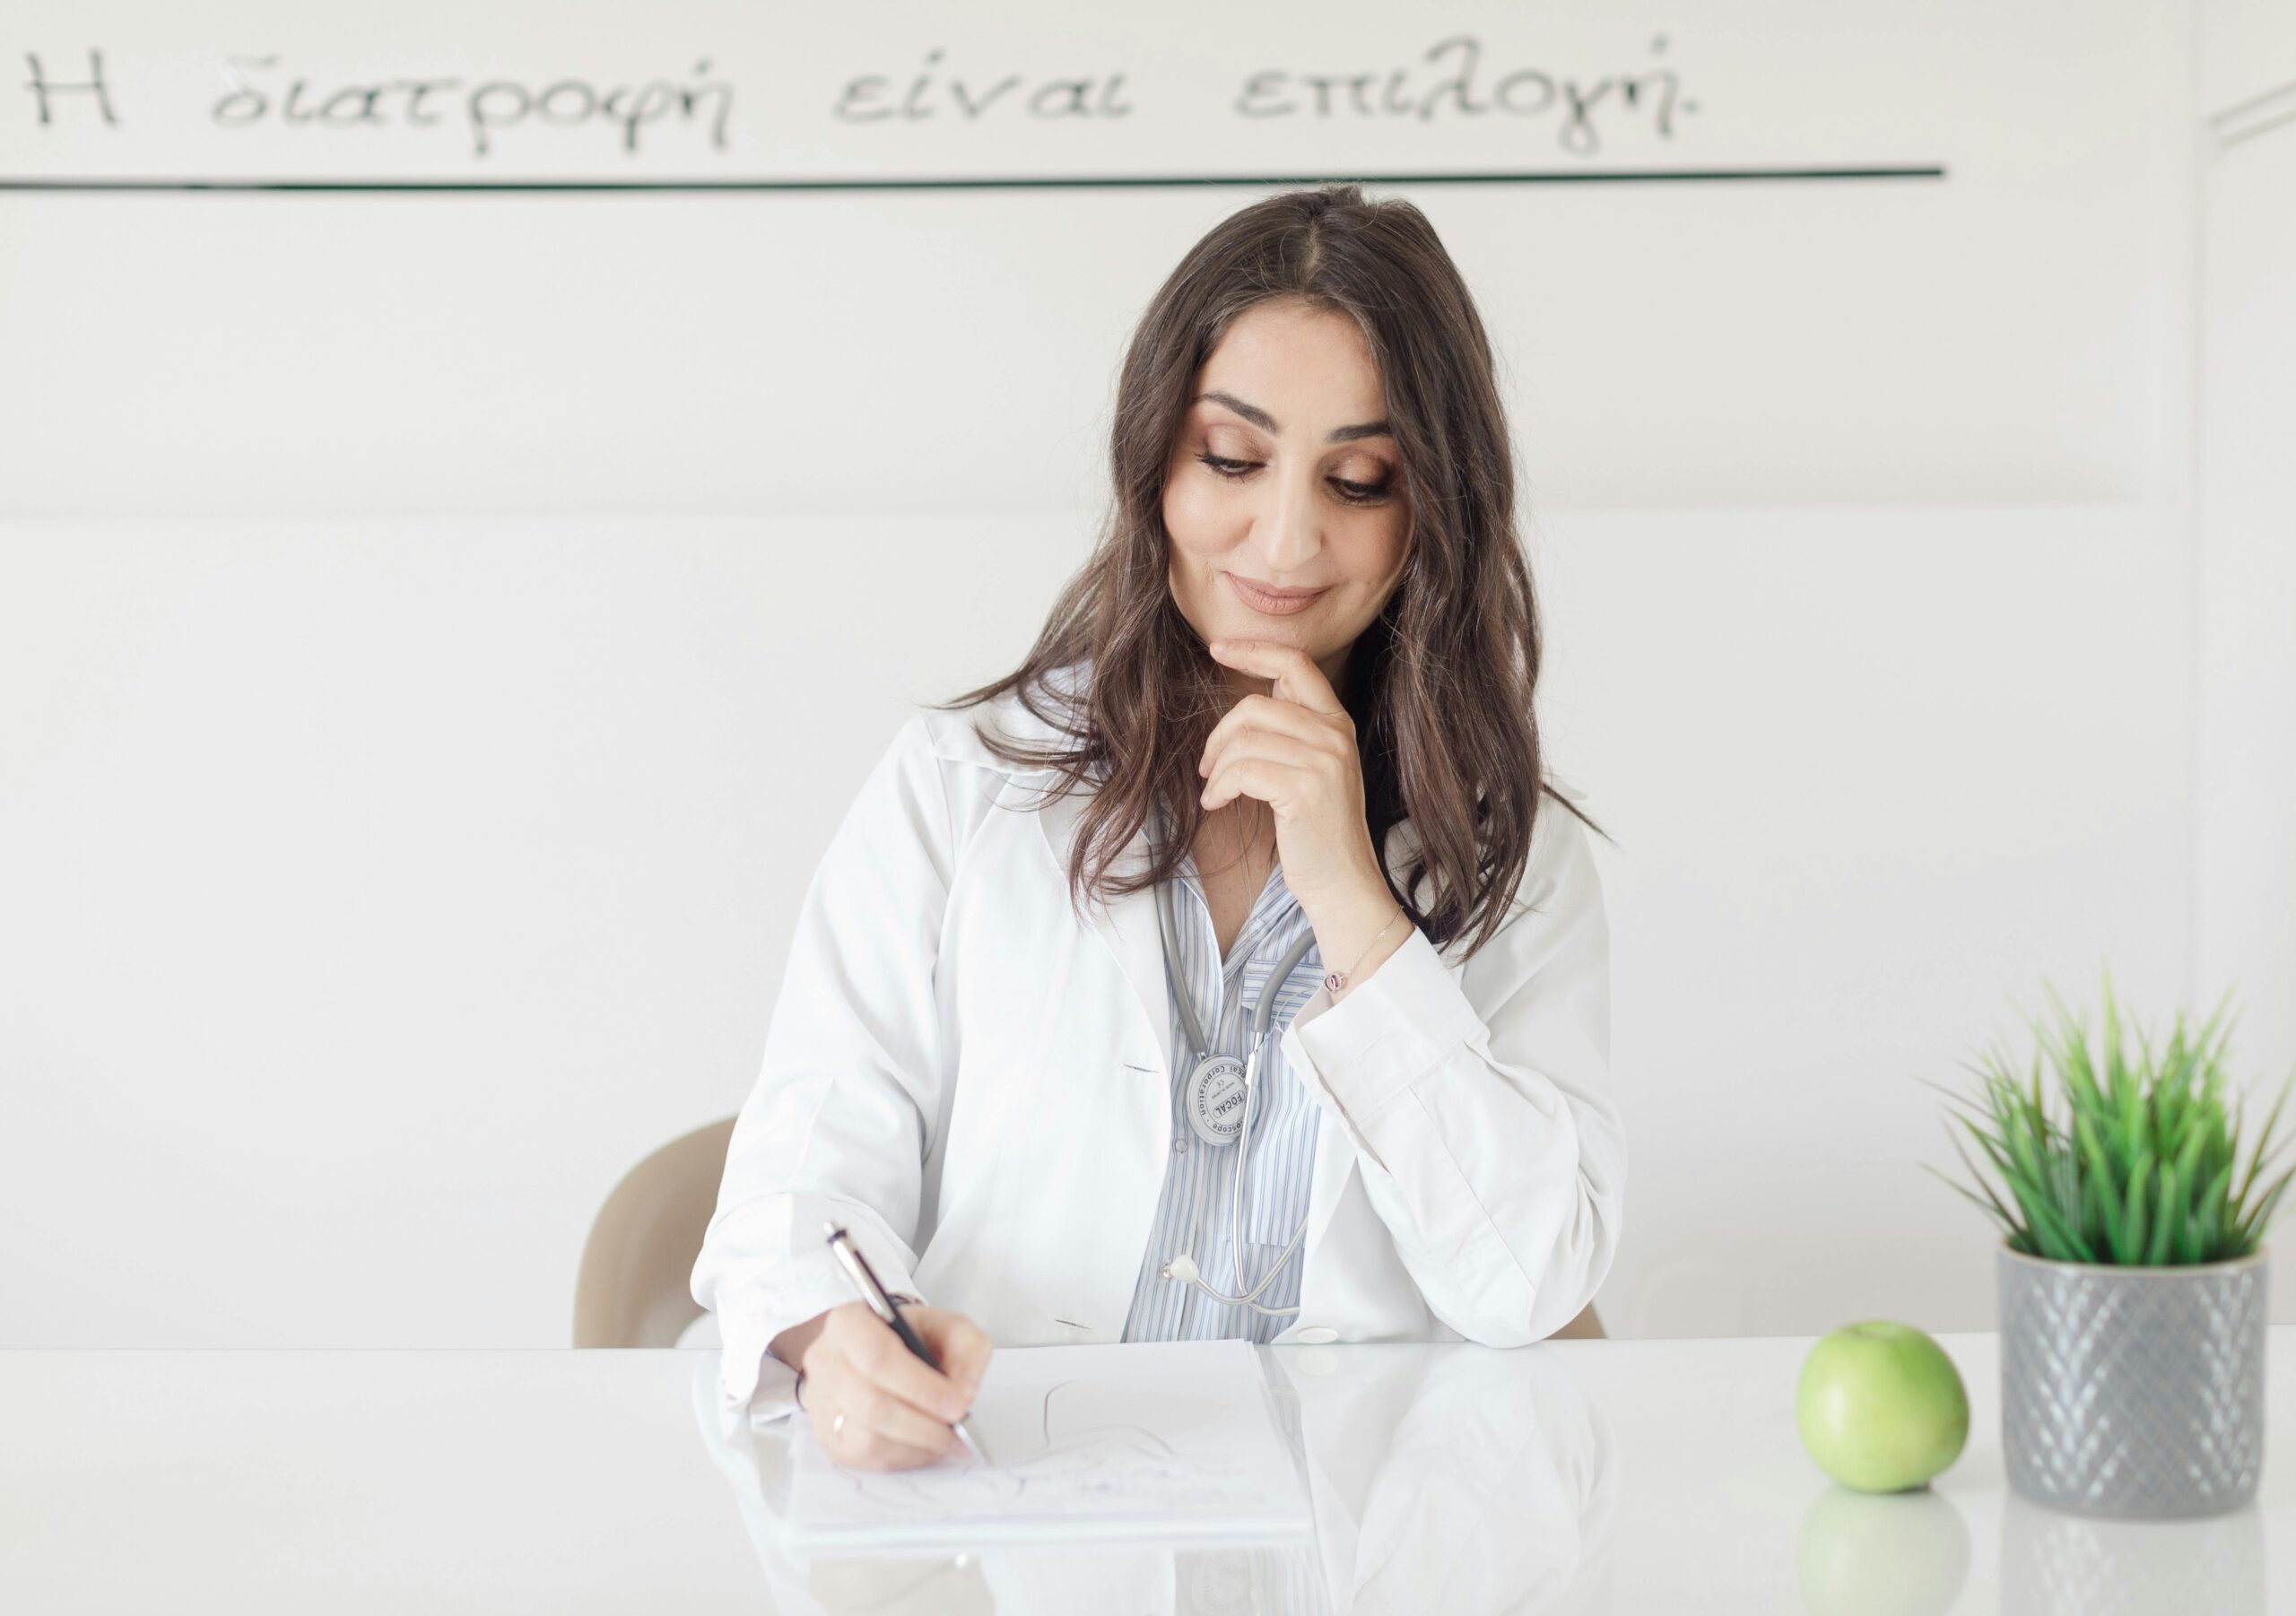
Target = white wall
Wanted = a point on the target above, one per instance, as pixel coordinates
(2246, 776)
(402, 805)
(1873, 776)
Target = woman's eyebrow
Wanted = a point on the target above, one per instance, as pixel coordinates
(1266, 423)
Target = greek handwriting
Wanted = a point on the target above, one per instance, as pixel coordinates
(1449, 87)
(42, 89)
(489, 108)
(863, 99)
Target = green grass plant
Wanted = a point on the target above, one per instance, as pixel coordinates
(2126, 1157)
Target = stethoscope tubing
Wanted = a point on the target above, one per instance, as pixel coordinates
(1200, 1047)
(1262, 1013)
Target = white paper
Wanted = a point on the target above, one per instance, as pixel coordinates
(1136, 1439)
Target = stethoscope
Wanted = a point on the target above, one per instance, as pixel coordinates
(1217, 1098)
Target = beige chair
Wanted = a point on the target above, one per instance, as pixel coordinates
(633, 1289)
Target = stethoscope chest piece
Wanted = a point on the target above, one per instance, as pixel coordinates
(1214, 1099)
(1217, 1098)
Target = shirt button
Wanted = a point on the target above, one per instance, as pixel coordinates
(1180, 1143)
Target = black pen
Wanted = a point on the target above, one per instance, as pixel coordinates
(881, 1303)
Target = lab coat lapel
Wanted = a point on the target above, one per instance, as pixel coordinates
(1327, 1285)
(1334, 1161)
(1322, 1287)
(1127, 925)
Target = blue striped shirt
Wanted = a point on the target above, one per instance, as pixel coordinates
(1199, 1178)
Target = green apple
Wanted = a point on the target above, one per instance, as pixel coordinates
(1880, 1406)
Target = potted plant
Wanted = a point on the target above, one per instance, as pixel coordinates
(2130, 1276)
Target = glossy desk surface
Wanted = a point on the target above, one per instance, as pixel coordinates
(1571, 1475)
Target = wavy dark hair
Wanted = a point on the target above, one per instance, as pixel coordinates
(1440, 685)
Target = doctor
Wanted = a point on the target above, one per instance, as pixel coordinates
(1229, 968)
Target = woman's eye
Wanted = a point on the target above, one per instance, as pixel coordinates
(1354, 493)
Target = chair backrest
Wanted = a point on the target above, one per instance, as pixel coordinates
(634, 1286)
(1586, 1326)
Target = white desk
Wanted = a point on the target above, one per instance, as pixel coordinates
(1582, 1476)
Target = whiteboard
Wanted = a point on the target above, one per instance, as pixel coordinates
(704, 258)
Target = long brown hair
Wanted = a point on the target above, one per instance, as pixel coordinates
(1439, 684)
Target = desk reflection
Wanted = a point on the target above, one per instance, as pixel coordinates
(1443, 1478)
(2059, 1564)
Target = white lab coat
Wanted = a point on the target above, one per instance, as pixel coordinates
(974, 1080)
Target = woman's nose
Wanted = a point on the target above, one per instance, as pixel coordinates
(1292, 527)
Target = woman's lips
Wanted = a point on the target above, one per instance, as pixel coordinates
(1274, 605)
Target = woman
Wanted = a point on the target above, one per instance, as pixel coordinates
(1292, 691)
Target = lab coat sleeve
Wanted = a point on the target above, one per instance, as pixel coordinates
(836, 1126)
(1479, 1102)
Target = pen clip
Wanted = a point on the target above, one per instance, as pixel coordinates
(863, 1277)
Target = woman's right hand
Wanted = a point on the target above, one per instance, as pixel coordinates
(876, 1405)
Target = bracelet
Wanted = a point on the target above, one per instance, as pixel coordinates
(1338, 978)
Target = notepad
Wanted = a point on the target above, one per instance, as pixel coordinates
(1141, 1440)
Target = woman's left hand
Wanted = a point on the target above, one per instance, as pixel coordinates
(1294, 749)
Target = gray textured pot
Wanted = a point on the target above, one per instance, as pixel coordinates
(2132, 1392)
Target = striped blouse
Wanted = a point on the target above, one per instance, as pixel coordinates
(1199, 1178)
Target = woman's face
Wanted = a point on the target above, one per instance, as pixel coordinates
(1302, 490)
